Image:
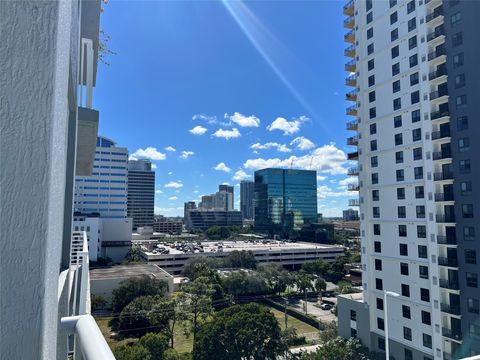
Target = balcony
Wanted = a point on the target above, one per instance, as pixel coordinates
(437, 73)
(437, 135)
(444, 175)
(436, 34)
(351, 66)
(446, 240)
(350, 51)
(353, 202)
(436, 115)
(350, 37)
(442, 155)
(435, 14)
(352, 125)
(438, 94)
(447, 261)
(443, 197)
(450, 309)
(351, 95)
(442, 218)
(451, 285)
(353, 171)
(351, 81)
(436, 54)
(352, 110)
(348, 8)
(353, 140)
(352, 155)
(349, 22)
(353, 187)
(454, 335)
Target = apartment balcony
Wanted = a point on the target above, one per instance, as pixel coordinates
(446, 240)
(437, 74)
(439, 95)
(442, 218)
(437, 135)
(454, 335)
(448, 261)
(438, 115)
(352, 110)
(350, 51)
(447, 284)
(353, 202)
(353, 187)
(436, 15)
(353, 140)
(437, 54)
(443, 175)
(450, 309)
(349, 36)
(349, 22)
(443, 197)
(442, 155)
(352, 155)
(351, 66)
(351, 81)
(349, 8)
(353, 171)
(351, 95)
(438, 34)
(352, 125)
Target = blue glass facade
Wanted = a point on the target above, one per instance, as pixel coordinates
(284, 200)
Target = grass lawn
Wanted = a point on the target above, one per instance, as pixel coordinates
(300, 326)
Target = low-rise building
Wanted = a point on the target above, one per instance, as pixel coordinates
(204, 219)
(167, 226)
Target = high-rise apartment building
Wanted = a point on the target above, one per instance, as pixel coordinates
(416, 95)
(226, 201)
(141, 193)
(350, 215)
(247, 194)
(285, 200)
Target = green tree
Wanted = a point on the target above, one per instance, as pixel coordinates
(276, 277)
(329, 332)
(240, 259)
(344, 287)
(240, 332)
(340, 349)
(134, 352)
(98, 302)
(320, 286)
(133, 256)
(130, 289)
(240, 282)
(156, 345)
(167, 313)
(303, 282)
(135, 317)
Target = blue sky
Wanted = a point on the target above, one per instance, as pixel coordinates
(212, 91)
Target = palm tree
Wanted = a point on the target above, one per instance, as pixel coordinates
(303, 281)
(320, 285)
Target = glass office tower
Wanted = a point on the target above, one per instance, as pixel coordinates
(284, 200)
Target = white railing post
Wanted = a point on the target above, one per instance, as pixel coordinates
(86, 63)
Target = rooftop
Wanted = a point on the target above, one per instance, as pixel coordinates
(127, 271)
(355, 296)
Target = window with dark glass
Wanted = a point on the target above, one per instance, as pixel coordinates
(457, 39)
(393, 3)
(407, 333)
(417, 134)
(397, 104)
(417, 153)
(369, 17)
(458, 60)
(371, 64)
(380, 324)
(406, 312)
(379, 284)
(395, 51)
(424, 294)
(397, 121)
(472, 279)
(374, 161)
(473, 305)
(378, 264)
(467, 211)
(371, 80)
(468, 233)
(413, 60)
(405, 290)
(470, 256)
(402, 212)
(381, 343)
(466, 187)
(376, 212)
(353, 315)
(379, 303)
(395, 69)
(426, 318)
(400, 175)
(455, 19)
(376, 230)
(402, 230)
(422, 251)
(415, 116)
(400, 193)
(460, 81)
(394, 34)
(423, 271)
(420, 210)
(421, 231)
(463, 144)
(398, 139)
(377, 246)
(375, 195)
(414, 79)
(396, 86)
(412, 42)
(412, 24)
(369, 33)
(419, 192)
(461, 101)
(404, 269)
(462, 123)
(393, 18)
(368, 4)
(418, 172)
(410, 6)
(373, 145)
(408, 354)
(371, 96)
(427, 340)
(370, 49)
(464, 166)
(415, 97)
(403, 249)
(374, 178)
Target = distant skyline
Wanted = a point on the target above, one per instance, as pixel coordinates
(212, 91)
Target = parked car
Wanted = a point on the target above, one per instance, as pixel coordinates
(326, 306)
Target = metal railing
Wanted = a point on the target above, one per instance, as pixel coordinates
(440, 155)
(353, 187)
(436, 33)
(447, 175)
(351, 109)
(350, 51)
(455, 335)
(446, 240)
(450, 309)
(351, 64)
(436, 53)
(348, 35)
(440, 134)
(352, 125)
(436, 13)
(447, 261)
(353, 171)
(349, 21)
(437, 73)
(350, 79)
(438, 94)
(441, 218)
(353, 202)
(446, 284)
(444, 197)
(351, 95)
(352, 140)
(352, 155)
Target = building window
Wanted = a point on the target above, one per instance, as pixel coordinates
(353, 315)
(420, 209)
(380, 324)
(422, 252)
(395, 69)
(417, 153)
(400, 175)
(455, 19)
(398, 139)
(394, 34)
(370, 33)
(373, 145)
(408, 354)
(404, 269)
(457, 39)
(413, 60)
(473, 305)
(410, 6)
(467, 211)
(378, 264)
(400, 193)
(460, 81)
(402, 212)
(472, 279)
(407, 333)
(376, 231)
(371, 64)
(415, 116)
(412, 24)
(461, 101)
(379, 284)
(393, 18)
(403, 249)
(370, 49)
(371, 96)
(373, 113)
(397, 121)
(424, 294)
(406, 313)
(374, 178)
(421, 231)
(468, 233)
(464, 166)
(470, 256)
(353, 333)
(423, 271)
(474, 330)
(393, 3)
(375, 195)
(415, 97)
(379, 303)
(458, 60)
(376, 212)
(419, 192)
(462, 123)
(402, 230)
(368, 4)
(395, 51)
(374, 161)
(466, 187)
(396, 86)
(381, 344)
(369, 17)
(397, 104)
(414, 79)
(371, 80)
(426, 318)
(463, 144)
(412, 42)
(418, 172)
(417, 134)
(405, 290)
(377, 246)
(427, 341)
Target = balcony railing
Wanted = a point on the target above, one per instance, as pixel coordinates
(352, 155)
(353, 187)
(435, 34)
(438, 94)
(349, 22)
(348, 8)
(439, 114)
(349, 36)
(450, 309)
(353, 140)
(353, 202)
(441, 155)
(351, 65)
(436, 53)
(351, 80)
(446, 240)
(447, 261)
(444, 175)
(353, 171)
(443, 197)
(455, 335)
(436, 13)
(352, 125)
(351, 95)
(350, 51)
(440, 134)
(446, 284)
(437, 73)
(442, 218)
(352, 110)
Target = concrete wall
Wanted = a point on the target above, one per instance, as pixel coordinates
(345, 324)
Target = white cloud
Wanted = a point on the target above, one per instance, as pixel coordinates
(158, 192)
(170, 173)
(222, 167)
(226, 183)
(198, 130)
(326, 159)
(172, 211)
(203, 117)
(186, 154)
(173, 198)
(324, 192)
(270, 145)
(243, 121)
(343, 184)
(196, 191)
(148, 153)
(227, 134)
(154, 166)
(240, 175)
(174, 184)
(302, 143)
(321, 178)
(288, 127)
(170, 148)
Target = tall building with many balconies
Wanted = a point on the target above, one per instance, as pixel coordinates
(141, 193)
(415, 93)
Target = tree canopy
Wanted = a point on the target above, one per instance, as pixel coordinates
(135, 318)
(340, 349)
(240, 282)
